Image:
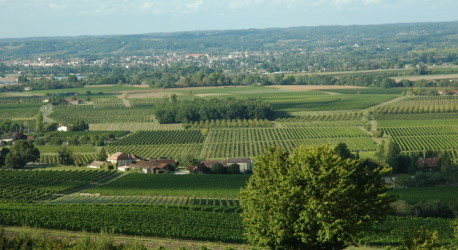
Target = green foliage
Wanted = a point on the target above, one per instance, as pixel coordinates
(234, 168)
(314, 199)
(218, 168)
(210, 109)
(21, 153)
(102, 156)
(421, 239)
(65, 156)
(80, 126)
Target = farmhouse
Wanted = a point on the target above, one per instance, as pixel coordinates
(121, 158)
(428, 163)
(99, 164)
(151, 167)
(62, 129)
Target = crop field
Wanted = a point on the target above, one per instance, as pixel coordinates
(157, 151)
(162, 137)
(81, 159)
(236, 123)
(20, 99)
(301, 102)
(421, 104)
(152, 220)
(416, 195)
(208, 186)
(134, 126)
(143, 102)
(213, 224)
(75, 149)
(26, 186)
(159, 200)
(393, 230)
(19, 111)
(108, 103)
(223, 143)
(108, 115)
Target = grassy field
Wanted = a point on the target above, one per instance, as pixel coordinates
(207, 186)
(416, 195)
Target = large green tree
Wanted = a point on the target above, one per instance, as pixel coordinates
(66, 156)
(21, 153)
(312, 199)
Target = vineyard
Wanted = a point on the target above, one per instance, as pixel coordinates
(108, 103)
(209, 186)
(137, 126)
(417, 195)
(139, 220)
(157, 151)
(26, 186)
(236, 123)
(224, 143)
(159, 200)
(162, 137)
(200, 223)
(107, 115)
(81, 159)
(421, 104)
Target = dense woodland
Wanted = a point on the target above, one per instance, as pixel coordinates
(199, 109)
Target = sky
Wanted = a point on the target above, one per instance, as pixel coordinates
(33, 18)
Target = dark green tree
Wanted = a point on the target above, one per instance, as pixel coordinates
(65, 156)
(21, 153)
(311, 199)
(102, 156)
(218, 168)
(234, 168)
(392, 152)
(3, 153)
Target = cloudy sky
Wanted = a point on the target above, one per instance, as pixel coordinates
(30, 18)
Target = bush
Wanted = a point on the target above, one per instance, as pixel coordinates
(434, 208)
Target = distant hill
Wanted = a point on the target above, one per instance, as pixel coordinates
(387, 38)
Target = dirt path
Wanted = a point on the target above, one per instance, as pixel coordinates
(46, 110)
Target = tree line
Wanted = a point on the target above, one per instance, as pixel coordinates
(173, 110)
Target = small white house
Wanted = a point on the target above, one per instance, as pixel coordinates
(62, 129)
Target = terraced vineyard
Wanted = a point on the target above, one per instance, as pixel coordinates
(26, 186)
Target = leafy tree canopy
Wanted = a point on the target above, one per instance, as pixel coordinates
(21, 153)
(311, 199)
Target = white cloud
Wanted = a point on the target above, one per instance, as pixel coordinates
(339, 4)
(193, 6)
(236, 4)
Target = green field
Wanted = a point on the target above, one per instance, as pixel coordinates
(206, 186)
(27, 186)
(416, 195)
